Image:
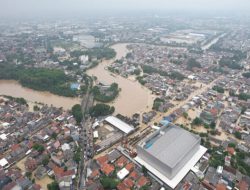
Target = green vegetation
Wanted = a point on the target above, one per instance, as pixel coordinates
(99, 53)
(238, 162)
(45, 160)
(145, 187)
(229, 62)
(237, 135)
(141, 80)
(219, 89)
(247, 75)
(42, 79)
(53, 186)
(192, 63)
(176, 75)
(106, 95)
(137, 72)
(18, 100)
(38, 147)
(197, 121)
(173, 74)
(217, 157)
(109, 183)
(28, 174)
(185, 115)
(244, 96)
(144, 170)
(101, 110)
(157, 103)
(77, 113)
(77, 155)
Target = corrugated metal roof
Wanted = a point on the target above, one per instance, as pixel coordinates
(173, 145)
(121, 125)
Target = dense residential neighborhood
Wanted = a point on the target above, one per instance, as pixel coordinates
(126, 104)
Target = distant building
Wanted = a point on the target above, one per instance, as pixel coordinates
(84, 59)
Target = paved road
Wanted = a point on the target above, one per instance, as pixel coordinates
(86, 138)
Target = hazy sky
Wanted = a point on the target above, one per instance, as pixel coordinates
(19, 8)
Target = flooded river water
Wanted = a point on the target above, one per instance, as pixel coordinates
(13, 88)
(132, 98)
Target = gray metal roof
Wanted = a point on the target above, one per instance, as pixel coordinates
(173, 145)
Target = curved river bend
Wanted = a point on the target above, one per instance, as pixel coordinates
(133, 97)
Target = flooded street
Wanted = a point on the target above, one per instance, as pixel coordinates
(13, 88)
(133, 97)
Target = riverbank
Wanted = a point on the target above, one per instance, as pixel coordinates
(13, 88)
(133, 97)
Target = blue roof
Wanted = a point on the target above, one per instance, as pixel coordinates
(164, 122)
(74, 86)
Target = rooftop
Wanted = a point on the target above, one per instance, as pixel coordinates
(121, 125)
(173, 139)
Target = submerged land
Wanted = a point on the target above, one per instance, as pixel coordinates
(77, 98)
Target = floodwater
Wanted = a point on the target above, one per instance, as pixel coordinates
(13, 88)
(133, 97)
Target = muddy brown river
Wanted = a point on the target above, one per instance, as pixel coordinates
(133, 98)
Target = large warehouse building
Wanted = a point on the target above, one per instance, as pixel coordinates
(170, 153)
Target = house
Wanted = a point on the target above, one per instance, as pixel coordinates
(130, 166)
(121, 162)
(107, 169)
(122, 186)
(129, 183)
(40, 172)
(242, 185)
(221, 187)
(30, 164)
(134, 175)
(95, 174)
(142, 182)
(102, 160)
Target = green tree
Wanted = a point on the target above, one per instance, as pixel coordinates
(38, 147)
(237, 135)
(53, 186)
(144, 170)
(77, 113)
(109, 183)
(197, 121)
(101, 110)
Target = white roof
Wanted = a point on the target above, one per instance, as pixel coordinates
(3, 162)
(3, 137)
(181, 174)
(95, 134)
(122, 173)
(121, 125)
(65, 147)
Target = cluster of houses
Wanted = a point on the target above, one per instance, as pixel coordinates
(43, 143)
(116, 166)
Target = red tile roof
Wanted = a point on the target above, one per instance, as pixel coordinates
(121, 161)
(243, 185)
(15, 147)
(142, 181)
(130, 166)
(94, 174)
(231, 150)
(221, 187)
(107, 169)
(129, 182)
(122, 186)
(102, 160)
(134, 175)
